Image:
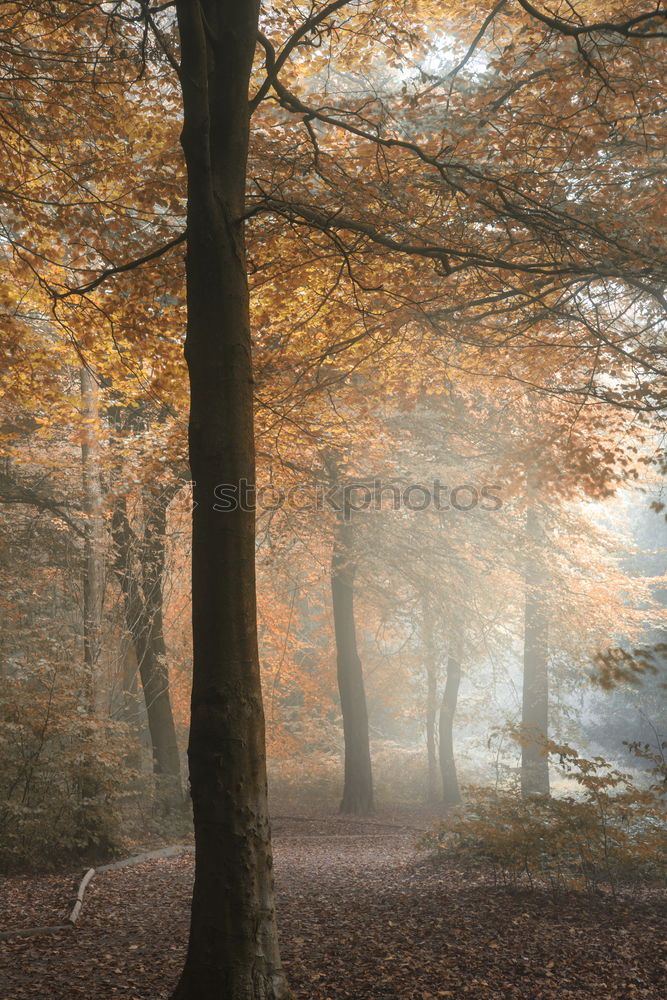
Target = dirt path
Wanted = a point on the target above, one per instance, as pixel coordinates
(362, 915)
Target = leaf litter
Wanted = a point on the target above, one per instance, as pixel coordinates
(362, 914)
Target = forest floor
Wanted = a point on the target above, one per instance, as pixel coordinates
(363, 915)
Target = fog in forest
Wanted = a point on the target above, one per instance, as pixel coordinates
(333, 500)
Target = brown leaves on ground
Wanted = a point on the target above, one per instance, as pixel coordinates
(362, 915)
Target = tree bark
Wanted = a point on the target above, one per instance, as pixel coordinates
(535, 702)
(233, 949)
(450, 785)
(431, 664)
(93, 508)
(358, 782)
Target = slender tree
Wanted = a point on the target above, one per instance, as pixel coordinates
(358, 780)
(448, 773)
(93, 510)
(450, 783)
(535, 701)
(140, 568)
(431, 665)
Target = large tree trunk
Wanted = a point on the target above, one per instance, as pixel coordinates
(358, 783)
(233, 946)
(93, 508)
(431, 664)
(450, 784)
(535, 705)
(140, 569)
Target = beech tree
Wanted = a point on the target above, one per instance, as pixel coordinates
(358, 779)
(139, 567)
(93, 506)
(450, 785)
(535, 697)
(431, 665)
(233, 948)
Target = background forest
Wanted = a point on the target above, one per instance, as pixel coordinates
(455, 237)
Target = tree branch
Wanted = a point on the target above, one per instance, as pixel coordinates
(120, 268)
(628, 29)
(14, 492)
(275, 63)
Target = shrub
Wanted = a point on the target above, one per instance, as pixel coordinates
(612, 832)
(312, 778)
(60, 770)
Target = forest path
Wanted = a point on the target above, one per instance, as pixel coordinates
(362, 914)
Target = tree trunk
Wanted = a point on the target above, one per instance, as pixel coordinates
(156, 685)
(93, 508)
(129, 708)
(431, 664)
(450, 784)
(93, 581)
(358, 783)
(233, 947)
(535, 706)
(143, 616)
